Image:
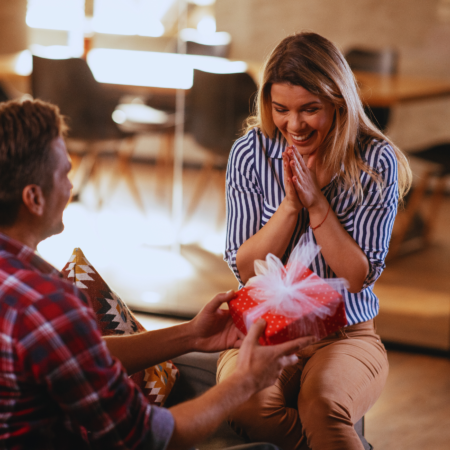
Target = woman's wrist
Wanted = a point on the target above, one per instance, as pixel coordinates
(318, 211)
(288, 208)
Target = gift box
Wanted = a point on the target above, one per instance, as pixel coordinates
(293, 300)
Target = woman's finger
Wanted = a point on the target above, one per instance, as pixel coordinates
(287, 172)
(297, 185)
(300, 160)
(286, 165)
(289, 169)
(296, 170)
(298, 164)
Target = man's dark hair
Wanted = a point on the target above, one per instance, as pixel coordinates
(27, 130)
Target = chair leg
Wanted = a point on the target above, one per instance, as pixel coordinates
(84, 171)
(405, 219)
(202, 181)
(123, 169)
(164, 165)
(221, 217)
(113, 181)
(433, 209)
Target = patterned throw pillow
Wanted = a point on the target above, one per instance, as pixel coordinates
(114, 317)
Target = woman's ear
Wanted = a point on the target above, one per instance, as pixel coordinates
(33, 199)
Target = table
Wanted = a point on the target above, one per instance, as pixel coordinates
(388, 90)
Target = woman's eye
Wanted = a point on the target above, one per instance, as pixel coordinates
(278, 110)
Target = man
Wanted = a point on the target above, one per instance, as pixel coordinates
(61, 384)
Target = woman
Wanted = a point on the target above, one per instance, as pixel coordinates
(313, 164)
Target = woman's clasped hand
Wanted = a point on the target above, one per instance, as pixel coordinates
(301, 178)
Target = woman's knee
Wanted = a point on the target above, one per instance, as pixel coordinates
(323, 411)
(264, 417)
(328, 424)
(261, 411)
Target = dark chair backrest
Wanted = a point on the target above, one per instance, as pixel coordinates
(383, 61)
(218, 107)
(69, 83)
(195, 48)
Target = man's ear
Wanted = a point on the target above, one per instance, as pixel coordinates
(33, 199)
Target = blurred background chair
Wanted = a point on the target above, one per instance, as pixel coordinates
(218, 105)
(383, 62)
(209, 44)
(195, 48)
(89, 107)
(415, 225)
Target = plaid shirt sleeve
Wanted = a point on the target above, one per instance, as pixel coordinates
(60, 347)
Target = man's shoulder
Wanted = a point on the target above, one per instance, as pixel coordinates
(21, 285)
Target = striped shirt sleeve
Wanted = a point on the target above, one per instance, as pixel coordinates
(244, 199)
(374, 217)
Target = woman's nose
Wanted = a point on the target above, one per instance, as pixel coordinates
(296, 122)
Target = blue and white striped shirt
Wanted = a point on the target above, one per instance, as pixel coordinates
(255, 189)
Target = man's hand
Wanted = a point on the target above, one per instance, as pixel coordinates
(260, 365)
(213, 329)
(257, 367)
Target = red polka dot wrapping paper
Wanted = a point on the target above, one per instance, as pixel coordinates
(280, 328)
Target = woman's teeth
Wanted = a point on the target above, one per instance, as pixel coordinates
(301, 137)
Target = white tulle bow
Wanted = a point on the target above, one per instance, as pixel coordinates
(284, 290)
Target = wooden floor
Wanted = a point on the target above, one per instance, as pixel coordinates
(413, 412)
(131, 249)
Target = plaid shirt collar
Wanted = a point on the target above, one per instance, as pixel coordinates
(27, 255)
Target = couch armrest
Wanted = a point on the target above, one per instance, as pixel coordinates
(197, 375)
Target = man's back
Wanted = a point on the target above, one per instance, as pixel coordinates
(29, 415)
(55, 365)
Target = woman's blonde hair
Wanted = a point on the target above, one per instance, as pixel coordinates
(313, 62)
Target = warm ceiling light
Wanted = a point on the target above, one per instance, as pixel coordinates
(202, 2)
(207, 25)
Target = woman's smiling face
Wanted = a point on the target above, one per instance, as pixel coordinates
(303, 118)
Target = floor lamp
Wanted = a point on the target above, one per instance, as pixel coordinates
(177, 190)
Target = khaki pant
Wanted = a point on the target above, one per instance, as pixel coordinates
(336, 381)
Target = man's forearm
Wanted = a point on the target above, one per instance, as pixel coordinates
(198, 418)
(139, 351)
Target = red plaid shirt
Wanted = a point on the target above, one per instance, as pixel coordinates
(57, 377)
